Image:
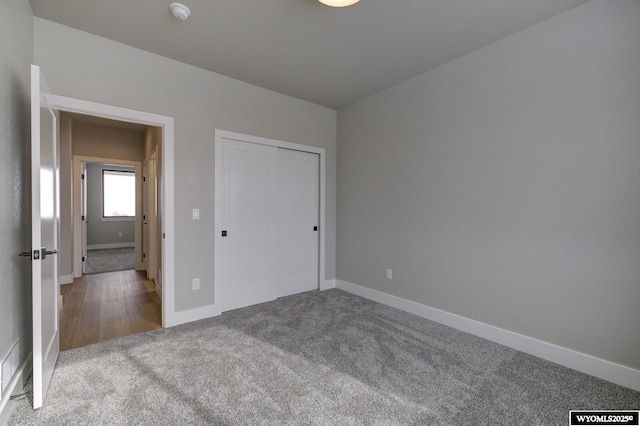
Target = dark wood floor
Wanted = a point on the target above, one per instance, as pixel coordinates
(104, 306)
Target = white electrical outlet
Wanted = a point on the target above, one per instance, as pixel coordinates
(195, 214)
(119, 234)
(195, 284)
(389, 274)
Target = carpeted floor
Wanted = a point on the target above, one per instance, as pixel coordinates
(108, 260)
(325, 358)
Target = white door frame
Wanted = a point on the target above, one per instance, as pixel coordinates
(152, 219)
(169, 317)
(79, 231)
(220, 135)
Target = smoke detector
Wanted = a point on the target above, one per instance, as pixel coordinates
(179, 10)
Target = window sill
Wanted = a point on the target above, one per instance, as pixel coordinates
(118, 219)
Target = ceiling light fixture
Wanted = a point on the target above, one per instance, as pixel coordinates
(179, 10)
(338, 3)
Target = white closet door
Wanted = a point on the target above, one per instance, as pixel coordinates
(299, 199)
(249, 219)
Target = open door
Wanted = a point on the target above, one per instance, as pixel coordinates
(152, 252)
(45, 213)
(145, 216)
(83, 213)
(150, 216)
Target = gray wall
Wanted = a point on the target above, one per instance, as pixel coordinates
(504, 186)
(91, 140)
(84, 66)
(104, 232)
(16, 51)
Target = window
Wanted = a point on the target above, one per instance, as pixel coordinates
(118, 194)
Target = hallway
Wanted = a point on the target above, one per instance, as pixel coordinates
(105, 306)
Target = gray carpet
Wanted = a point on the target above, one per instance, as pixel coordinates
(322, 358)
(109, 260)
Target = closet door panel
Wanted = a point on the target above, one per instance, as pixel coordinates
(299, 199)
(249, 220)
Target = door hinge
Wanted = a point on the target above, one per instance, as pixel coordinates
(144, 255)
(83, 258)
(82, 176)
(82, 218)
(144, 178)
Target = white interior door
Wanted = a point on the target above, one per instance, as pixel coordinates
(45, 208)
(145, 216)
(249, 236)
(299, 221)
(152, 252)
(83, 213)
(150, 216)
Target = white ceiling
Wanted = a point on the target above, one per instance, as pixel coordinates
(330, 56)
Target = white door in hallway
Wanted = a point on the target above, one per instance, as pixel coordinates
(249, 236)
(145, 216)
(299, 195)
(150, 216)
(83, 213)
(45, 215)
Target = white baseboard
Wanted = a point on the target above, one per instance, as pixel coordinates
(607, 370)
(66, 279)
(190, 315)
(110, 246)
(15, 386)
(328, 284)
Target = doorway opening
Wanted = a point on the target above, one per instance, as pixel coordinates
(115, 289)
(108, 216)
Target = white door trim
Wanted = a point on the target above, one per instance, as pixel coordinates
(217, 204)
(79, 239)
(169, 317)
